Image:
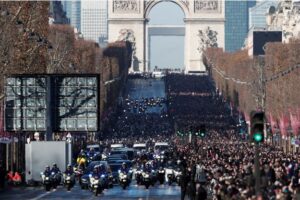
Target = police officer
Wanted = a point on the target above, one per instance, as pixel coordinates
(55, 169)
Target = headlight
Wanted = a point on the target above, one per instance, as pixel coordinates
(68, 178)
(52, 173)
(146, 175)
(102, 176)
(47, 178)
(95, 181)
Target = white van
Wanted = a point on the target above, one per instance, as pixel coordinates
(140, 147)
(161, 146)
(116, 146)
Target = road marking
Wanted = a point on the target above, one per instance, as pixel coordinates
(42, 195)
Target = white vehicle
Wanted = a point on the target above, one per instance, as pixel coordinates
(116, 146)
(161, 146)
(96, 147)
(140, 147)
(158, 74)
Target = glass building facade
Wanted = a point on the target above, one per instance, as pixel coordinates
(73, 12)
(94, 21)
(236, 23)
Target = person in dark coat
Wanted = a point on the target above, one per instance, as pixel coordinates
(202, 194)
(185, 178)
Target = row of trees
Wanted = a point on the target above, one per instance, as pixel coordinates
(271, 84)
(29, 45)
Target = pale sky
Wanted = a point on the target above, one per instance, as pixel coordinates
(166, 51)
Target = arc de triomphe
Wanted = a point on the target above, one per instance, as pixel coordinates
(204, 26)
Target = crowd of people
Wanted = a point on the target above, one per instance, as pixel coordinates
(219, 165)
(226, 160)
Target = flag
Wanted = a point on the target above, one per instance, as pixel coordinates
(295, 122)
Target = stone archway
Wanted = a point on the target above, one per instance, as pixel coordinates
(129, 18)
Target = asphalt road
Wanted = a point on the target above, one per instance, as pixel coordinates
(147, 88)
(138, 88)
(134, 192)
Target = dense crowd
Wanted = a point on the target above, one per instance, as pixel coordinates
(225, 159)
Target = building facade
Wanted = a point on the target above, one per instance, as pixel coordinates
(94, 21)
(73, 12)
(236, 23)
(258, 13)
(285, 17)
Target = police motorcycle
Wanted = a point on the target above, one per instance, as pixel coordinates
(178, 172)
(148, 176)
(124, 176)
(46, 178)
(69, 178)
(138, 174)
(55, 176)
(95, 184)
(161, 175)
(169, 173)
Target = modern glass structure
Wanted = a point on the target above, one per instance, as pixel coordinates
(236, 24)
(73, 12)
(94, 21)
(257, 14)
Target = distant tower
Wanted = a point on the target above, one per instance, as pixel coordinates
(236, 23)
(94, 21)
(72, 9)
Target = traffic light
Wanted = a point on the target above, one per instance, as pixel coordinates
(257, 126)
(200, 131)
(180, 134)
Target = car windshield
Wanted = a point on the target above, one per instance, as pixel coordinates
(140, 148)
(115, 168)
(91, 166)
(162, 148)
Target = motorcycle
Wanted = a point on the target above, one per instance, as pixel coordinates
(69, 181)
(146, 179)
(55, 179)
(161, 175)
(177, 174)
(170, 175)
(95, 185)
(138, 177)
(123, 179)
(46, 179)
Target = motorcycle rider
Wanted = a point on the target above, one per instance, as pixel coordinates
(91, 152)
(124, 168)
(69, 170)
(47, 171)
(148, 168)
(81, 159)
(102, 170)
(55, 169)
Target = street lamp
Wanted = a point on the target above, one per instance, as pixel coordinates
(69, 143)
